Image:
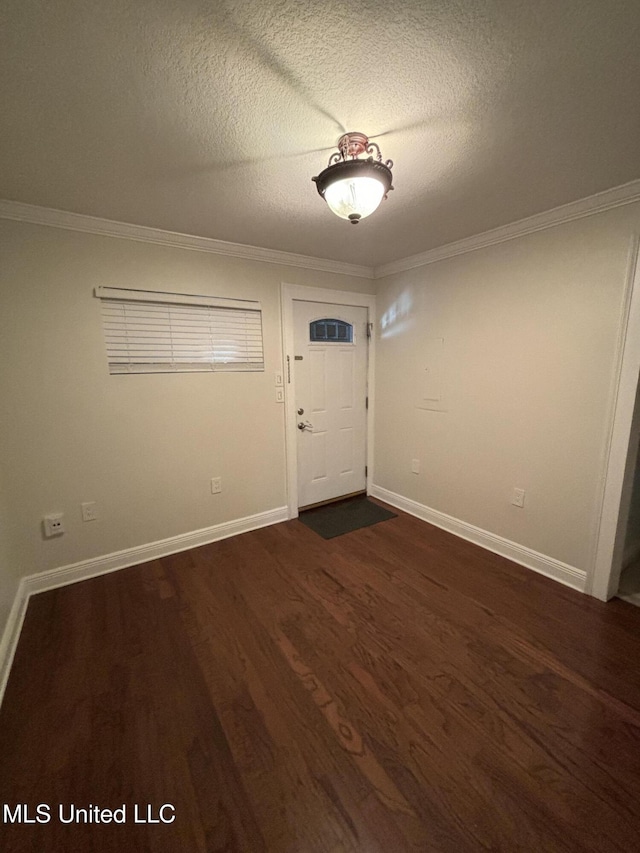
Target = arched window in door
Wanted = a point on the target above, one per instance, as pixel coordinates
(330, 331)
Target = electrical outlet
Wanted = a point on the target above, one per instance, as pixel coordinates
(279, 395)
(216, 485)
(518, 497)
(53, 524)
(278, 379)
(415, 466)
(89, 511)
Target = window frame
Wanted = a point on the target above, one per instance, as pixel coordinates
(327, 340)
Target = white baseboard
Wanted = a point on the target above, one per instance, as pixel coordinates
(143, 553)
(552, 568)
(53, 578)
(630, 597)
(11, 634)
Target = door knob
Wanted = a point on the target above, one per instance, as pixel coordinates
(305, 425)
(301, 411)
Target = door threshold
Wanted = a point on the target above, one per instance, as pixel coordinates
(332, 500)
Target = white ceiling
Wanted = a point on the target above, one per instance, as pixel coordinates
(210, 118)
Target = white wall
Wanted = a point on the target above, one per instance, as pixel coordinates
(530, 330)
(143, 447)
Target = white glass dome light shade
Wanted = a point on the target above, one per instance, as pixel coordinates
(353, 189)
(354, 198)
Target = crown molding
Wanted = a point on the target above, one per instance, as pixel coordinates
(606, 200)
(35, 215)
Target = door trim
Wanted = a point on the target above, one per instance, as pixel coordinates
(290, 293)
(615, 497)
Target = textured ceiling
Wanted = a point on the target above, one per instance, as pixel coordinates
(210, 118)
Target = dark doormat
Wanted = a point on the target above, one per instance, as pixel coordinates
(335, 519)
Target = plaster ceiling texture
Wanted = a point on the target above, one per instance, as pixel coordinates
(210, 118)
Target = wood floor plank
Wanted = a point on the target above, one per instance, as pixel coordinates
(259, 655)
(393, 689)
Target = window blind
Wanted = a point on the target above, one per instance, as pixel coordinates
(149, 332)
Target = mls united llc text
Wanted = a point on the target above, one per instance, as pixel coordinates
(44, 813)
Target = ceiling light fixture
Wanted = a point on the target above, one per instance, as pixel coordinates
(351, 187)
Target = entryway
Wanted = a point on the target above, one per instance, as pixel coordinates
(328, 364)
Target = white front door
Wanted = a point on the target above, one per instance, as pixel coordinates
(330, 363)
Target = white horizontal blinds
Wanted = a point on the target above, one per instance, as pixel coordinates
(149, 335)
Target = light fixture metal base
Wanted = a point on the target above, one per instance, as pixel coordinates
(353, 144)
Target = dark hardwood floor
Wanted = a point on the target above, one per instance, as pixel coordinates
(392, 689)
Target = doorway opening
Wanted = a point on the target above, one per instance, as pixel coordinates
(622, 445)
(629, 586)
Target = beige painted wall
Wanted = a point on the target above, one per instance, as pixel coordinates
(143, 447)
(8, 579)
(525, 382)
